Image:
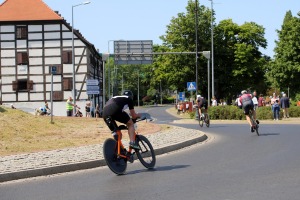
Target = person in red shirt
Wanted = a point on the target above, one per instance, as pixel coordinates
(247, 105)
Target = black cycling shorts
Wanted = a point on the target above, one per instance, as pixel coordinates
(203, 106)
(115, 113)
(247, 107)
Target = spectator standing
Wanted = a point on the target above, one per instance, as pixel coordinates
(276, 110)
(285, 104)
(88, 110)
(70, 107)
(298, 102)
(261, 101)
(98, 114)
(214, 101)
(255, 100)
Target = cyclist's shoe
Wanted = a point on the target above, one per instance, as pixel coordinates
(130, 157)
(257, 121)
(251, 129)
(134, 146)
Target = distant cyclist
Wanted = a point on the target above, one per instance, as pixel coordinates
(202, 103)
(114, 111)
(247, 105)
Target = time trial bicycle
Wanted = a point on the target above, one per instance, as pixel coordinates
(116, 155)
(204, 118)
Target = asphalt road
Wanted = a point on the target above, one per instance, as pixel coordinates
(233, 164)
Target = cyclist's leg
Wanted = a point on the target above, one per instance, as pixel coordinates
(246, 112)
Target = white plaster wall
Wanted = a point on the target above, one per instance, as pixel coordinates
(35, 44)
(64, 28)
(8, 79)
(8, 62)
(56, 87)
(52, 27)
(9, 97)
(7, 37)
(8, 70)
(38, 88)
(53, 61)
(37, 79)
(35, 36)
(36, 70)
(52, 43)
(8, 53)
(21, 44)
(82, 69)
(8, 45)
(67, 35)
(35, 52)
(34, 28)
(76, 43)
(54, 35)
(7, 88)
(53, 52)
(7, 28)
(36, 96)
(23, 96)
(68, 68)
(36, 61)
(56, 78)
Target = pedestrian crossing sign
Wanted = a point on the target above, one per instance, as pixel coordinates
(191, 86)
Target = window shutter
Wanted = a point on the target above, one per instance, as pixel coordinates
(67, 57)
(15, 85)
(30, 85)
(57, 96)
(67, 84)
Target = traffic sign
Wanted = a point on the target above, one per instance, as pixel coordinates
(92, 82)
(181, 96)
(191, 86)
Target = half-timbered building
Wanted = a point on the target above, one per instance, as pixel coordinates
(33, 38)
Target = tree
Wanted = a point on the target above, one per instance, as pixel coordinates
(284, 71)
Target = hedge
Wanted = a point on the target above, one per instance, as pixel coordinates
(230, 112)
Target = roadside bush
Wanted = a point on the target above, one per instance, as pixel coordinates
(230, 112)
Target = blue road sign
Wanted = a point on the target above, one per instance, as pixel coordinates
(191, 86)
(181, 96)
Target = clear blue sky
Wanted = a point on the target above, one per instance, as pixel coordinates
(104, 20)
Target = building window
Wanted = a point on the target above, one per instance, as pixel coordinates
(22, 58)
(22, 85)
(67, 84)
(67, 57)
(22, 32)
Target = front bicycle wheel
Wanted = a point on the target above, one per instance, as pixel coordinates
(146, 154)
(200, 121)
(115, 164)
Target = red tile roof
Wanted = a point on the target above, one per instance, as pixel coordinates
(26, 10)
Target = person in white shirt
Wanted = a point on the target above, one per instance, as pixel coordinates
(255, 101)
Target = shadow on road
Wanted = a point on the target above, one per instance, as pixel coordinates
(160, 168)
(267, 134)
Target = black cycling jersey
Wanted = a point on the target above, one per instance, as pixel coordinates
(202, 103)
(122, 102)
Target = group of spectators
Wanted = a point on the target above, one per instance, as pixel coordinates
(275, 102)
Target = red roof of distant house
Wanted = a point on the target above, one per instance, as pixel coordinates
(26, 10)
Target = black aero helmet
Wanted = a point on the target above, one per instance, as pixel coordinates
(128, 93)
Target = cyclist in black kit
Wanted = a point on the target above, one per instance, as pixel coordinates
(114, 111)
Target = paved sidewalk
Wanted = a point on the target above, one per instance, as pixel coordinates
(86, 157)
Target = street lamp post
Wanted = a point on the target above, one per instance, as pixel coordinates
(206, 54)
(196, 33)
(73, 51)
(212, 51)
